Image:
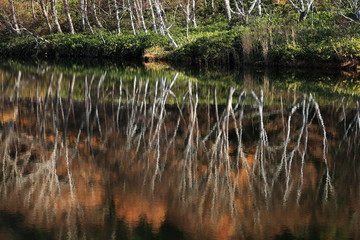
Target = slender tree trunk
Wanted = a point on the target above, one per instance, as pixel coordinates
(227, 10)
(136, 15)
(45, 12)
(7, 24)
(139, 7)
(117, 16)
(82, 13)
(13, 17)
(33, 9)
(187, 16)
(163, 28)
(68, 16)
(131, 17)
(55, 16)
(152, 16)
(193, 14)
(186, 10)
(87, 16)
(259, 8)
(93, 9)
(109, 7)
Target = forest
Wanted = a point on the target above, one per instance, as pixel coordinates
(310, 33)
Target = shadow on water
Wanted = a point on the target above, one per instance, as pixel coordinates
(112, 156)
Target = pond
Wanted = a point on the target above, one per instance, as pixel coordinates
(108, 151)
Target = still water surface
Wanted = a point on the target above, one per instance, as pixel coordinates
(116, 152)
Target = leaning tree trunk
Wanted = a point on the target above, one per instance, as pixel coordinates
(55, 16)
(153, 19)
(87, 16)
(7, 24)
(68, 16)
(131, 17)
(45, 12)
(93, 9)
(84, 15)
(139, 10)
(163, 28)
(13, 17)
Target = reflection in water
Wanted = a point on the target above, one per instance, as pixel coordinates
(149, 160)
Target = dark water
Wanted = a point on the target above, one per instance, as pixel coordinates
(114, 152)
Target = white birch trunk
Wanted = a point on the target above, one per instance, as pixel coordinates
(33, 9)
(93, 9)
(303, 7)
(153, 19)
(193, 16)
(82, 13)
(117, 17)
(45, 11)
(162, 23)
(68, 16)
(55, 16)
(7, 24)
(87, 16)
(139, 7)
(227, 10)
(131, 17)
(13, 17)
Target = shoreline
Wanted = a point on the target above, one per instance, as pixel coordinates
(200, 53)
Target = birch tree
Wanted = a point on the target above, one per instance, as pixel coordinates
(303, 7)
(189, 11)
(139, 12)
(153, 18)
(131, 13)
(227, 10)
(94, 12)
(193, 13)
(13, 17)
(33, 9)
(7, 24)
(349, 9)
(242, 11)
(186, 10)
(163, 29)
(55, 15)
(84, 15)
(117, 17)
(68, 16)
(45, 10)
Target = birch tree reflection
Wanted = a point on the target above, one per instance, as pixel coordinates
(69, 164)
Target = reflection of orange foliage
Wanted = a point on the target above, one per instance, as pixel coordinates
(88, 186)
(8, 115)
(133, 207)
(218, 222)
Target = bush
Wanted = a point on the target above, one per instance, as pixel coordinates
(102, 45)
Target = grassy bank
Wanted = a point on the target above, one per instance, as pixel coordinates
(320, 41)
